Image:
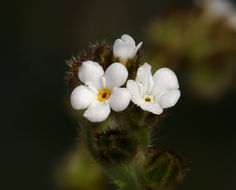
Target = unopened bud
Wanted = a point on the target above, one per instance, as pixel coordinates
(116, 147)
(163, 169)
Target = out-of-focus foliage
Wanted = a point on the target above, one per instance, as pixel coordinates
(199, 47)
(79, 172)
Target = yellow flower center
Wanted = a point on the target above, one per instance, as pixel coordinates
(104, 94)
(148, 99)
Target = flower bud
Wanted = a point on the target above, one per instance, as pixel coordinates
(163, 169)
(125, 48)
(116, 147)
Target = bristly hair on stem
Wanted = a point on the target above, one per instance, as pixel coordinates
(122, 175)
(101, 53)
(98, 52)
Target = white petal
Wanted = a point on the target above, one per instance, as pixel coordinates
(82, 97)
(151, 107)
(169, 99)
(144, 77)
(128, 39)
(90, 73)
(123, 51)
(115, 75)
(132, 86)
(138, 46)
(164, 80)
(119, 99)
(97, 111)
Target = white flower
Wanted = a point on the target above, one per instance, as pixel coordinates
(154, 93)
(101, 90)
(125, 48)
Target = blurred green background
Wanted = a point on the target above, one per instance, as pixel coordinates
(37, 129)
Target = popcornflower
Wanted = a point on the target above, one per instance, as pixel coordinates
(101, 91)
(125, 138)
(154, 93)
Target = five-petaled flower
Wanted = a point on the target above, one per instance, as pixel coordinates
(125, 48)
(101, 90)
(154, 93)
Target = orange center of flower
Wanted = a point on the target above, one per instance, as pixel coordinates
(104, 94)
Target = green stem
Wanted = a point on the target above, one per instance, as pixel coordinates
(123, 176)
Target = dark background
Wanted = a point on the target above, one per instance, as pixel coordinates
(36, 37)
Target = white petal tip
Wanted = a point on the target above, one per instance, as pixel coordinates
(97, 112)
(153, 108)
(81, 97)
(169, 99)
(115, 75)
(139, 45)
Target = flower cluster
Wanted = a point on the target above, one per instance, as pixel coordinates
(103, 91)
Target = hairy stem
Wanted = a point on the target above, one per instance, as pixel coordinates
(123, 176)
